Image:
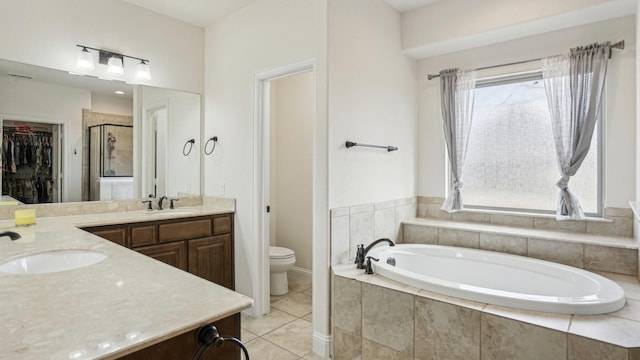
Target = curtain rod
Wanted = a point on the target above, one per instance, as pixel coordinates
(618, 45)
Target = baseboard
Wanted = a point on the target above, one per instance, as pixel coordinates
(322, 344)
(300, 273)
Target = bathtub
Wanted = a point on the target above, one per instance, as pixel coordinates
(499, 279)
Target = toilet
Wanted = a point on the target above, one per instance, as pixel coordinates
(280, 261)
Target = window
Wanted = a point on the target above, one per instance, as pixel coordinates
(511, 161)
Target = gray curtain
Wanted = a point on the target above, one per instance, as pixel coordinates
(574, 85)
(457, 89)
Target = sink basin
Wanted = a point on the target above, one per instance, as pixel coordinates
(173, 212)
(52, 261)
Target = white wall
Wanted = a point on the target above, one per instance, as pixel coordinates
(260, 37)
(31, 100)
(620, 101)
(372, 100)
(293, 150)
(183, 116)
(111, 104)
(45, 33)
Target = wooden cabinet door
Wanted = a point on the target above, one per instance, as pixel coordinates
(113, 233)
(174, 254)
(211, 258)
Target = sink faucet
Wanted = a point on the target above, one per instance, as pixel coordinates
(361, 253)
(160, 202)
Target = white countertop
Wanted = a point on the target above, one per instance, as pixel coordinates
(106, 310)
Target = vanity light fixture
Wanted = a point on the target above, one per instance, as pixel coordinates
(144, 72)
(85, 60)
(115, 66)
(113, 61)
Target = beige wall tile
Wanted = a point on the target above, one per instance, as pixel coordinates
(512, 220)
(471, 216)
(503, 243)
(343, 211)
(385, 224)
(432, 211)
(357, 209)
(388, 317)
(616, 260)
(416, 234)
(508, 339)
(402, 213)
(581, 348)
(384, 205)
(553, 224)
(341, 251)
(446, 331)
(619, 226)
(371, 350)
(361, 230)
(430, 200)
(347, 305)
(614, 211)
(345, 346)
(634, 354)
(563, 253)
(461, 238)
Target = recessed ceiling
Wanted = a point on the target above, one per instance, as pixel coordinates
(206, 12)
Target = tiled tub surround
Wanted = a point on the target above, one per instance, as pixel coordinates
(599, 245)
(376, 318)
(362, 224)
(119, 305)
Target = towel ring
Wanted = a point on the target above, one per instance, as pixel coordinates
(186, 152)
(215, 141)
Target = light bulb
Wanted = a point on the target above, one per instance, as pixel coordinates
(144, 72)
(114, 66)
(85, 60)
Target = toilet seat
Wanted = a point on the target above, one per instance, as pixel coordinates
(276, 252)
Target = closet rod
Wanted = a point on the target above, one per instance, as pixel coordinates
(618, 45)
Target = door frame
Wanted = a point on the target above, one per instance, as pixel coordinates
(261, 127)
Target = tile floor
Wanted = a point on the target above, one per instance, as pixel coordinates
(284, 334)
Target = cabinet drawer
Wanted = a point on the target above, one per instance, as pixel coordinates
(184, 230)
(174, 254)
(115, 233)
(143, 235)
(222, 224)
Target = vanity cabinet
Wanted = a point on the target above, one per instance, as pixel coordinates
(201, 245)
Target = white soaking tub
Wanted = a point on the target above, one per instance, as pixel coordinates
(499, 279)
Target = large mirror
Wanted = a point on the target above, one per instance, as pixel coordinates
(71, 138)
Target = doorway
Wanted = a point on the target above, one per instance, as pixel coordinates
(155, 129)
(285, 124)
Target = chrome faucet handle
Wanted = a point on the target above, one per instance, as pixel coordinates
(369, 269)
(171, 203)
(149, 207)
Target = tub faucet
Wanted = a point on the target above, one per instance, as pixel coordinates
(368, 269)
(160, 202)
(361, 252)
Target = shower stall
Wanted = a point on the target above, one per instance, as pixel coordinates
(110, 162)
